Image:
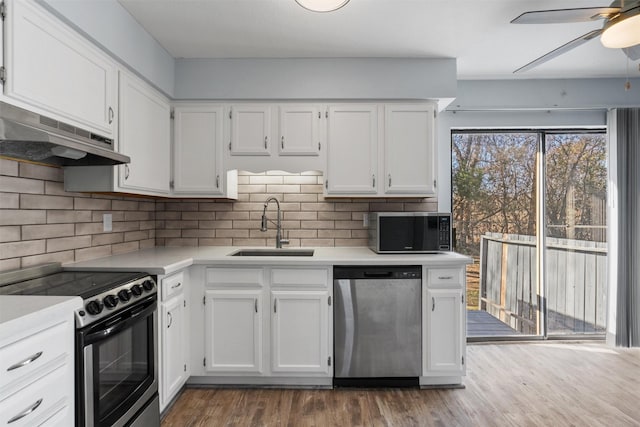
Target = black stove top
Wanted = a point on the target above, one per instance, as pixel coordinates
(85, 284)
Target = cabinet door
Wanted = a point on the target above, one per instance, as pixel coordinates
(409, 153)
(250, 129)
(300, 331)
(352, 150)
(233, 331)
(197, 152)
(173, 369)
(144, 136)
(299, 130)
(444, 331)
(56, 72)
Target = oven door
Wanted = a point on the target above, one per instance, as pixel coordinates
(117, 374)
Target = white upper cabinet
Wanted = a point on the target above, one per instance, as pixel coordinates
(409, 149)
(299, 130)
(250, 129)
(144, 136)
(53, 71)
(352, 144)
(197, 152)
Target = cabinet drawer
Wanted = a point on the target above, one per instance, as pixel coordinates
(173, 285)
(39, 400)
(29, 354)
(249, 277)
(446, 277)
(294, 277)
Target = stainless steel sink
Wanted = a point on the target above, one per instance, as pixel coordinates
(273, 252)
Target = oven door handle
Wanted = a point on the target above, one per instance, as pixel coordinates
(99, 332)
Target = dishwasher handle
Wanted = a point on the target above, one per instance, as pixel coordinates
(378, 274)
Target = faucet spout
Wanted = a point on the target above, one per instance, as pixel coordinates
(263, 227)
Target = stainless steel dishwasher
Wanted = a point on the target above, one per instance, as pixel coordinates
(377, 325)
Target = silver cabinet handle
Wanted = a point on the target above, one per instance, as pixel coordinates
(26, 412)
(266, 138)
(126, 171)
(389, 180)
(445, 277)
(177, 285)
(111, 115)
(275, 305)
(433, 304)
(170, 319)
(282, 142)
(25, 362)
(374, 179)
(255, 304)
(217, 181)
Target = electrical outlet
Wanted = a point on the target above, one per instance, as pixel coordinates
(365, 219)
(107, 222)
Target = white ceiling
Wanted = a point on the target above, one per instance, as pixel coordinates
(476, 32)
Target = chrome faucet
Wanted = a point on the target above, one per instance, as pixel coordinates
(263, 227)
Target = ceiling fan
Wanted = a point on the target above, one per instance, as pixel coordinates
(621, 28)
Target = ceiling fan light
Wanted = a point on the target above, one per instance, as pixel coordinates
(322, 5)
(623, 31)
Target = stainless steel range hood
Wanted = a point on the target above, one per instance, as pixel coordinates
(29, 136)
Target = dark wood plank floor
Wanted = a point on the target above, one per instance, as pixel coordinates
(534, 384)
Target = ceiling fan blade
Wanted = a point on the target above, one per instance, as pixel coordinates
(561, 16)
(559, 51)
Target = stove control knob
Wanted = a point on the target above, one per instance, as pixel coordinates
(136, 290)
(124, 295)
(147, 285)
(110, 301)
(94, 307)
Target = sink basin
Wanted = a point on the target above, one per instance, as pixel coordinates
(273, 252)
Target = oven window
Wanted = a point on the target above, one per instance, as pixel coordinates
(123, 369)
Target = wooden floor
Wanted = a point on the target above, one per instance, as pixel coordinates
(533, 384)
(482, 324)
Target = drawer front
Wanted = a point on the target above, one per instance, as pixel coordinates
(38, 401)
(296, 277)
(234, 277)
(173, 285)
(29, 354)
(446, 277)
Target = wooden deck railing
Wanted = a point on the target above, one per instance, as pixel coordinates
(575, 283)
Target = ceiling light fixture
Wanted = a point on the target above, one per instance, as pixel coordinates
(322, 5)
(623, 30)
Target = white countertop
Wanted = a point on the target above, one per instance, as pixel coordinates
(166, 260)
(14, 309)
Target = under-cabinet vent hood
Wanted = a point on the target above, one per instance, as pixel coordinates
(29, 136)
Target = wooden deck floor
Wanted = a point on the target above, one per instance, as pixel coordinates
(482, 324)
(533, 384)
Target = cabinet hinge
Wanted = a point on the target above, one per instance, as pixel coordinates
(204, 362)
(3, 10)
(171, 184)
(463, 298)
(329, 300)
(229, 113)
(184, 302)
(229, 145)
(185, 367)
(329, 361)
(326, 114)
(204, 300)
(3, 75)
(326, 184)
(435, 114)
(434, 183)
(463, 360)
(319, 145)
(319, 115)
(172, 115)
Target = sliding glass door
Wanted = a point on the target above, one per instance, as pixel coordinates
(502, 221)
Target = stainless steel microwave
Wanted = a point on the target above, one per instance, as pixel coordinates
(409, 232)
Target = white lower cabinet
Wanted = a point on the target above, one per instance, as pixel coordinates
(233, 328)
(444, 326)
(174, 337)
(268, 322)
(300, 331)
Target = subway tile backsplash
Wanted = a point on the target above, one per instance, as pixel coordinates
(40, 222)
